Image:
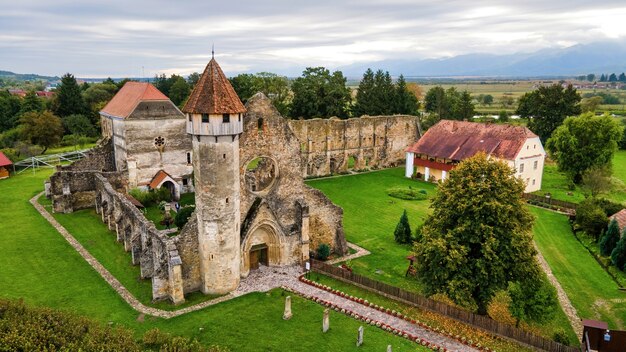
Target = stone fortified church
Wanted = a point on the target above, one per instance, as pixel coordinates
(246, 165)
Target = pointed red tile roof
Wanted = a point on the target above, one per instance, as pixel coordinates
(131, 94)
(213, 94)
(4, 161)
(458, 140)
(158, 178)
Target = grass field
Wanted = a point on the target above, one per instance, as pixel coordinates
(38, 265)
(588, 286)
(370, 217)
(556, 182)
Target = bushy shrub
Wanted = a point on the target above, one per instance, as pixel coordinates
(323, 251)
(144, 197)
(560, 336)
(407, 193)
(499, 308)
(608, 206)
(591, 218)
(183, 216)
(45, 329)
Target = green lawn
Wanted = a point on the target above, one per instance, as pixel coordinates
(38, 265)
(370, 217)
(556, 183)
(588, 286)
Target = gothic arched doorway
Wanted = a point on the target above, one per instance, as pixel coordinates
(261, 247)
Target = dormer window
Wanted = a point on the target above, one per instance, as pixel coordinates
(205, 118)
(225, 118)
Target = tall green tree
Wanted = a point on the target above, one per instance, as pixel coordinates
(275, 87)
(179, 91)
(406, 102)
(383, 97)
(402, 233)
(435, 102)
(31, 102)
(465, 107)
(547, 107)
(618, 255)
(68, 99)
(42, 128)
(10, 107)
(79, 125)
(364, 104)
(245, 85)
(622, 77)
(317, 93)
(591, 218)
(612, 78)
(583, 142)
(478, 237)
(608, 242)
(591, 77)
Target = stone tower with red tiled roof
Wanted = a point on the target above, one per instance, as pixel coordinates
(214, 121)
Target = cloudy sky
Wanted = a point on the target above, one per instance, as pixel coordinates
(119, 38)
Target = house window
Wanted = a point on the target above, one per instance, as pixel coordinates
(533, 181)
(535, 164)
(527, 180)
(259, 125)
(225, 118)
(239, 117)
(188, 158)
(189, 115)
(185, 182)
(521, 168)
(205, 118)
(534, 146)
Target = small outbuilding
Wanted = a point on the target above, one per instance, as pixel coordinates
(5, 163)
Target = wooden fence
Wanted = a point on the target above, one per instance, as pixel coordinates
(550, 203)
(476, 320)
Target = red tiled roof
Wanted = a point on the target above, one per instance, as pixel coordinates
(4, 161)
(160, 176)
(458, 140)
(131, 94)
(620, 217)
(213, 94)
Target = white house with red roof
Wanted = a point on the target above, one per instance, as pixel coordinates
(149, 139)
(449, 142)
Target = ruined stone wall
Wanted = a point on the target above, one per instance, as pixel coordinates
(99, 158)
(286, 203)
(151, 249)
(331, 146)
(74, 190)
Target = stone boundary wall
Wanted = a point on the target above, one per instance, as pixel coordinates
(151, 249)
(327, 145)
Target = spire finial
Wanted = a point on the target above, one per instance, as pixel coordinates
(212, 51)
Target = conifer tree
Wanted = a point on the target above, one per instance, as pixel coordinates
(30, 103)
(365, 95)
(68, 99)
(618, 255)
(406, 102)
(610, 238)
(402, 234)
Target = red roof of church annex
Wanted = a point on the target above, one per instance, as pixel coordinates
(458, 140)
(213, 94)
(131, 94)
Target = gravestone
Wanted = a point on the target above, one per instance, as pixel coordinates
(359, 338)
(287, 313)
(389, 348)
(326, 320)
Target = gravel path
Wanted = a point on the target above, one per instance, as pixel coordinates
(360, 252)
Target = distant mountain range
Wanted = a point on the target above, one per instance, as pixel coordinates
(26, 76)
(598, 58)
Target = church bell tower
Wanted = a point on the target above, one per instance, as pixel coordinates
(215, 121)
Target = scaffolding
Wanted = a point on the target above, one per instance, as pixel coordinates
(50, 161)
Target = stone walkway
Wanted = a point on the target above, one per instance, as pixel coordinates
(262, 280)
(568, 308)
(360, 252)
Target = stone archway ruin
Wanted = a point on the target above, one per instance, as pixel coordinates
(262, 236)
